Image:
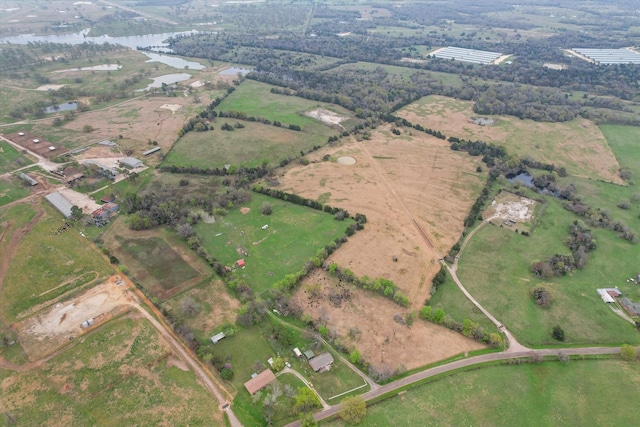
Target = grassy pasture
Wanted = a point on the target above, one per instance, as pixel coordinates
(249, 146)
(157, 259)
(255, 99)
(495, 265)
(163, 263)
(121, 374)
(43, 262)
(12, 189)
(578, 145)
(11, 159)
(550, 393)
(295, 234)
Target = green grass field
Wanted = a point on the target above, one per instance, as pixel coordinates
(249, 146)
(552, 393)
(495, 268)
(120, 374)
(49, 263)
(12, 189)
(256, 99)
(11, 159)
(295, 235)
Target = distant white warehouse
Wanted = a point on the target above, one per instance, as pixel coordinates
(131, 162)
(466, 55)
(610, 56)
(60, 203)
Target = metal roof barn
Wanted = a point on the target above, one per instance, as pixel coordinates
(60, 203)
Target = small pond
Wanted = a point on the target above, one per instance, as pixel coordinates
(167, 79)
(522, 178)
(67, 106)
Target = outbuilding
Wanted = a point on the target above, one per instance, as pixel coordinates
(131, 162)
(217, 337)
(26, 178)
(153, 150)
(297, 352)
(60, 203)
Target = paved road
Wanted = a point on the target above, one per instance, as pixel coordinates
(419, 376)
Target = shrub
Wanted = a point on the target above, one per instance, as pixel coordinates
(558, 333)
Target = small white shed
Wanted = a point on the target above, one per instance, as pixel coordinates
(217, 337)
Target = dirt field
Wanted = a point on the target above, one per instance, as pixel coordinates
(376, 330)
(328, 117)
(42, 147)
(43, 334)
(396, 181)
(578, 145)
(138, 121)
(511, 211)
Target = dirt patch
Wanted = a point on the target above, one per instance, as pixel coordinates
(178, 363)
(43, 334)
(346, 160)
(366, 322)
(46, 88)
(245, 211)
(99, 151)
(510, 210)
(398, 182)
(171, 107)
(325, 116)
(36, 144)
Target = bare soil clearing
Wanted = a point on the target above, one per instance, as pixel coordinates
(396, 180)
(510, 207)
(325, 116)
(44, 333)
(578, 145)
(380, 340)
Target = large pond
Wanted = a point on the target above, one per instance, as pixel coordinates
(67, 106)
(152, 41)
(167, 79)
(173, 61)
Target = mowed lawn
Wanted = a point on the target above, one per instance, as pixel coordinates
(45, 265)
(294, 235)
(11, 159)
(578, 393)
(249, 146)
(495, 268)
(120, 374)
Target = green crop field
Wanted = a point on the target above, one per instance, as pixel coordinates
(249, 146)
(120, 374)
(295, 234)
(45, 265)
(550, 393)
(11, 159)
(495, 268)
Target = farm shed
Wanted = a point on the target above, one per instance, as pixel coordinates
(258, 382)
(605, 296)
(217, 337)
(60, 203)
(309, 354)
(28, 179)
(297, 352)
(633, 308)
(153, 150)
(131, 162)
(321, 362)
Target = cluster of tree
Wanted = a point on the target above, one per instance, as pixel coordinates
(542, 296)
(400, 121)
(380, 285)
(438, 279)
(596, 217)
(580, 242)
(468, 327)
(241, 173)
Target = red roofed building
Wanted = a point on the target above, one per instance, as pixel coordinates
(240, 263)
